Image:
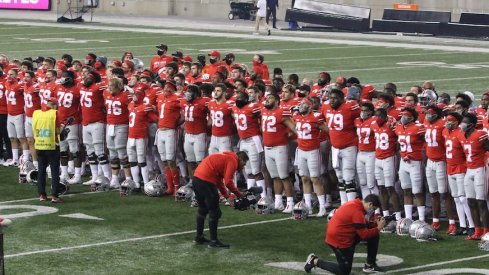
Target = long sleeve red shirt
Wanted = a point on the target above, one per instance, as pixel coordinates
(219, 170)
(347, 222)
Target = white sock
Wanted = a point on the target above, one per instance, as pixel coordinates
(107, 171)
(278, 201)
(421, 212)
(77, 172)
(250, 183)
(343, 197)
(144, 173)
(408, 211)
(261, 183)
(460, 212)
(36, 164)
(322, 201)
(15, 154)
(25, 154)
(94, 170)
(435, 219)
(365, 190)
(351, 196)
(135, 174)
(398, 216)
(290, 201)
(64, 171)
(307, 199)
(385, 213)
(451, 221)
(468, 214)
(82, 168)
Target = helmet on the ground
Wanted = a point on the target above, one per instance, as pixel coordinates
(484, 243)
(127, 187)
(102, 183)
(263, 207)
(300, 211)
(154, 188)
(32, 176)
(24, 169)
(390, 227)
(184, 193)
(403, 225)
(425, 233)
(414, 226)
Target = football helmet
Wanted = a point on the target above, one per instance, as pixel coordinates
(263, 207)
(427, 98)
(138, 64)
(245, 203)
(414, 226)
(63, 187)
(402, 227)
(184, 193)
(100, 184)
(300, 211)
(194, 202)
(389, 227)
(425, 233)
(484, 243)
(154, 188)
(31, 176)
(127, 187)
(330, 215)
(25, 168)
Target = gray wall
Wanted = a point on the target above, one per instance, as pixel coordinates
(215, 9)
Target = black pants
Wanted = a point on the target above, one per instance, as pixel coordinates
(45, 158)
(4, 139)
(208, 200)
(272, 12)
(344, 256)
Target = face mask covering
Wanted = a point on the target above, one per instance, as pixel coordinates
(269, 106)
(189, 97)
(449, 126)
(431, 117)
(241, 103)
(364, 115)
(303, 109)
(464, 127)
(405, 120)
(380, 121)
(160, 52)
(252, 98)
(213, 61)
(229, 62)
(321, 82)
(301, 94)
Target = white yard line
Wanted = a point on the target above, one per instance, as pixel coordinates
(428, 79)
(438, 264)
(35, 252)
(37, 199)
(286, 38)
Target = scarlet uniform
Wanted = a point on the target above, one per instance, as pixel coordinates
(366, 139)
(69, 106)
(308, 159)
(341, 123)
(411, 141)
(159, 62)
(436, 174)
(289, 105)
(247, 121)
(15, 98)
(385, 151)
(139, 117)
(169, 111)
(475, 182)
(262, 70)
(275, 140)
(222, 126)
(32, 100)
(116, 108)
(366, 155)
(456, 164)
(92, 103)
(195, 127)
(46, 91)
(191, 80)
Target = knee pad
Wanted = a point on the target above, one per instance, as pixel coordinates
(133, 164)
(102, 159)
(341, 185)
(142, 164)
(125, 163)
(215, 214)
(92, 158)
(350, 186)
(64, 155)
(115, 164)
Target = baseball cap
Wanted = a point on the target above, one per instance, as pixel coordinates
(214, 53)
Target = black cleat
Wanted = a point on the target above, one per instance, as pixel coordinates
(200, 240)
(269, 32)
(217, 244)
(310, 263)
(374, 268)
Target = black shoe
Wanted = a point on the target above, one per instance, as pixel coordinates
(374, 268)
(310, 263)
(470, 231)
(217, 244)
(275, 27)
(458, 232)
(200, 240)
(269, 32)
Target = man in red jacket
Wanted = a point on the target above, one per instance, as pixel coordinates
(215, 172)
(345, 230)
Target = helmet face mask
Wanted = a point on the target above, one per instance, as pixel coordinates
(263, 207)
(484, 243)
(300, 211)
(414, 226)
(24, 169)
(403, 225)
(154, 188)
(427, 98)
(127, 187)
(101, 184)
(425, 233)
(184, 193)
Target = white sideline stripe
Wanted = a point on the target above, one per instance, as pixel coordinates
(135, 239)
(439, 79)
(26, 40)
(438, 264)
(49, 33)
(269, 38)
(35, 199)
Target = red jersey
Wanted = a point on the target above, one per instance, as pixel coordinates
(139, 118)
(168, 110)
(262, 70)
(210, 69)
(116, 107)
(69, 103)
(385, 139)
(92, 103)
(411, 140)
(341, 123)
(3, 97)
(435, 145)
(218, 169)
(421, 115)
(32, 101)
(348, 222)
(274, 131)
(191, 80)
(46, 91)
(474, 148)
(195, 115)
(221, 116)
(290, 105)
(454, 151)
(247, 120)
(366, 138)
(307, 128)
(159, 62)
(15, 98)
(395, 113)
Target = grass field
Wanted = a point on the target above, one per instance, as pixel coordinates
(153, 235)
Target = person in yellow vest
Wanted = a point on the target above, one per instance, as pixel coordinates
(46, 128)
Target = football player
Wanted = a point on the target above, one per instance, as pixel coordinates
(386, 101)
(169, 119)
(160, 59)
(436, 166)
(411, 140)
(93, 121)
(456, 169)
(366, 147)
(385, 161)
(274, 124)
(195, 74)
(259, 68)
(32, 102)
(308, 125)
(221, 120)
(340, 117)
(116, 102)
(412, 100)
(16, 116)
(47, 87)
(68, 95)
(475, 144)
